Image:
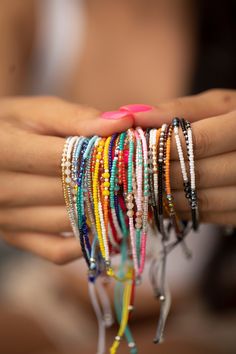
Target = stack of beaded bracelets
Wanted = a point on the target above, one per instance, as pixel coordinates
(116, 189)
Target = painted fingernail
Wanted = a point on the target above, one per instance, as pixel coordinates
(113, 115)
(136, 108)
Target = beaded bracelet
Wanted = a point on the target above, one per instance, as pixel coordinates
(66, 183)
(96, 199)
(189, 187)
(144, 214)
(130, 200)
(114, 188)
(160, 179)
(186, 126)
(153, 175)
(139, 194)
(170, 199)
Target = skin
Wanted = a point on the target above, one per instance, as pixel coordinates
(31, 192)
(30, 183)
(32, 130)
(212, 114)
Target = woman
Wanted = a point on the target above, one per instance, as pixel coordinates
(129, 52)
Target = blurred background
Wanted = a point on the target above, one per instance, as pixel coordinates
(105, 54)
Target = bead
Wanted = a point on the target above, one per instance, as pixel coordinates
(130, 213)
(139, 213)
(106, 175)
(162, 298)
(68, 179)
(115, 188)
(131, 345)
(130, 205)
(129, 197)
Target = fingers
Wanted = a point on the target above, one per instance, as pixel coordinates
(34, 154)
(22, 189)
(54, 116)
(55, 248)
(49, 219)
(210, 200)
(55, 219)
(39, 154)
(212, 136)
(221, 218)
(215, 171)
(31, 153)
(207, 104)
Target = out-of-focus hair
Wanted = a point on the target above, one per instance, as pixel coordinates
(216, 59)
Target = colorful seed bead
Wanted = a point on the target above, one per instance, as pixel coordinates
(115, 190)
(99, 144)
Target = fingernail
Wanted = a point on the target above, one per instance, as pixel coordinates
(136, 108)
(113, 115)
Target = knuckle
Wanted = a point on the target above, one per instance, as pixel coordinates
(63, 225)
(7, 195)
(5, 199)
(84, 112)
(59, 256)
(178, 105)
(218, 92)
(215, 91)
(226, 98)
(201, 143)
(198, 175)
(204, 204)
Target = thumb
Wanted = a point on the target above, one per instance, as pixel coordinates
(207, 104)
(55, 116)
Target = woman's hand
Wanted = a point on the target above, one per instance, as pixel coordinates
(214, 130)
(32, 210)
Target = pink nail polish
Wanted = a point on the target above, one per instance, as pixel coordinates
(113, 115)
(136, 108)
